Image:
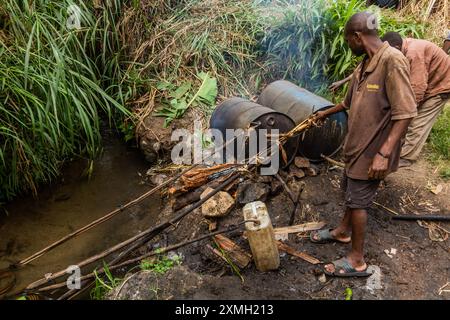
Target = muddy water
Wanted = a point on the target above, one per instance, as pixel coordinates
(31, 224)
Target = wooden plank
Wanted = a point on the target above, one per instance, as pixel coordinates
(283, 232)
(238, 255)
(302, 255)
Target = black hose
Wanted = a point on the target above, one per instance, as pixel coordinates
(414, 217)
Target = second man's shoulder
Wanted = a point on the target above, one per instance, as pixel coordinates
(395, 58)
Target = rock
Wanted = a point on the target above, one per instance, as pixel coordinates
(296, 172)
(275, 187)
(177, 283)
(312, 171)
(264, 179)
(250, 191)
(301, 162)
(374, 282)
(155, 140)
(323, 278)
(437, 189)
(158, 179)
(218, 205)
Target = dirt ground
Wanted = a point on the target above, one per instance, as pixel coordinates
(418, 270)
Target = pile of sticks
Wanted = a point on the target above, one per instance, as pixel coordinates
(192, 177)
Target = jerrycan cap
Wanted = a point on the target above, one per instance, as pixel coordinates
(256, 210)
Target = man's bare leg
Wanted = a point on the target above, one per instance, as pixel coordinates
(358, 221)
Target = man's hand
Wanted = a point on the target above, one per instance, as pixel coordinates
(336, 85)
(321, 115)
(379, 167)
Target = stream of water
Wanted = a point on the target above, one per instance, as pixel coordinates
(30, 224)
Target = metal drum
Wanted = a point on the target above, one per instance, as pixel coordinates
(299, 104)
(238, 113)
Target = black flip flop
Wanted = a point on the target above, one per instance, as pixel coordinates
(349, 271)
(325, 237)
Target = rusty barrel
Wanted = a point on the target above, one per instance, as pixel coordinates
(238, 113)
(298, 103)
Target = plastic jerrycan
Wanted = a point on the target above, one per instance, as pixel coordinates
(261, 236)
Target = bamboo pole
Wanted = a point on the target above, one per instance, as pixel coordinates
(100, 220)
(147, 232)
(148, 255)
(306, 124)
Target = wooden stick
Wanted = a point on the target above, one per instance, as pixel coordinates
(286, 188)
(336, 163)
(297, 203)
(289, 250)
(151, 231)
(100, 220)
(147, 255)
(385, 208)
(107, 216)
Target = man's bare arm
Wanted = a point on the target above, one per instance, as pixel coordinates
(320, 115)
(336, 85)
(446, 46)
(380, 163)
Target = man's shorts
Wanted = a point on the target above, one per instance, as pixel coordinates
(359, 194)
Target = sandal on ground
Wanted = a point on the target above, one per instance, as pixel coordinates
(325, 236)
(349, 271)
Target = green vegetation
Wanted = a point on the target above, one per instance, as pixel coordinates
(161, 265)
(131, 59)
(348, 294)
(183, 97)
(439, 141)
(440, 135)
(104, 284)
(304, 41)
(54, 87)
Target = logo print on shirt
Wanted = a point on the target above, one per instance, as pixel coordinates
(372, 87)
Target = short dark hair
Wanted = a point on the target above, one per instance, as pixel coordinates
(394, 39)
(364, 22)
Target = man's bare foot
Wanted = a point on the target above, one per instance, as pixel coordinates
(358, 264)
(335, 234)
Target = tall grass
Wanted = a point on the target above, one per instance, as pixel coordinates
(175, 40)
(54, 85)
(440, 135)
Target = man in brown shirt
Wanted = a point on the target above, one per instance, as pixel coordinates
(381, 105)
(430, 79)
(446, 45)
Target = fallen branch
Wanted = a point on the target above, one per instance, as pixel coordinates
(144, 256)
(286, 188)
(149, 232)
(101, 220)
(297, 203)
(334, 162)
(289, 250)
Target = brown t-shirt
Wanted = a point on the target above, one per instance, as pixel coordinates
(380, 92)
(430, 68)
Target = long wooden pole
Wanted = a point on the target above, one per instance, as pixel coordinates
(147, 255)
(100, 220)
(149, 231)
